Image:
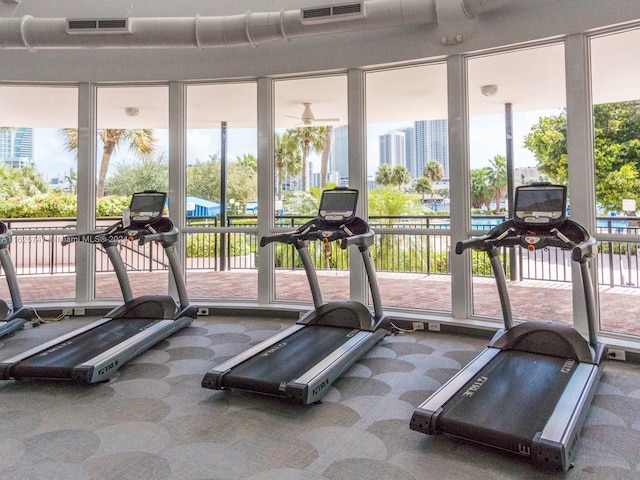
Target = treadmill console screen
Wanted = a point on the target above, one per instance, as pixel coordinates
(540, 205)
(338, 205)
(147, 206)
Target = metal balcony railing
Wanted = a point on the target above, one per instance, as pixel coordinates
(417, 244)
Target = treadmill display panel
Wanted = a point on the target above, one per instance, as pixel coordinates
(542, 205)
(338, 205)
(147, 206)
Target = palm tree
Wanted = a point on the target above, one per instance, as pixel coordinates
(481, 192)
(324, 159)
(400, 175)
(72, 180)
(287, 157)
(141, 142)
(384, 175)
(249, 161)
(423, 186)
(433, 171)
(311, 139)
(497, 175)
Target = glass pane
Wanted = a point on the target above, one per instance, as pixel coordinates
(132, 146)
(311, 154)
(38, 184)
(512, 98)
(408, 177)
(616, 119)
(222, 168)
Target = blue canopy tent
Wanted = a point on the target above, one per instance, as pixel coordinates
(199, 207)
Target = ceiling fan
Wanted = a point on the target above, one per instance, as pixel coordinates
(308, 118)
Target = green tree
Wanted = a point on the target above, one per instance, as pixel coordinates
(423, 186)
(433, 171)
(310, 139)
(249, 161)
(287, 158)
(481, 191)
(26, 181)
(497, 178)
(242, 183)
(203, 179)
(146, 174)
(384, 175)
(616, 144)
(400, 176)
(324, 158)
(141, 143)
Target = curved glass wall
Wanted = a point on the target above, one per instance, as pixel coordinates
(310, 143)
(221, 191)
(512, 97)
(131, 156)
(616, 123)
(38, 183)
(408, 180)
(517, 118)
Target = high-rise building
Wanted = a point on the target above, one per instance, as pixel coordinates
(339, 158)
(392, 148)
(410, 151)
(16, 147)
(432, 143)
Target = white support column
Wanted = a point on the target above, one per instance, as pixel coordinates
(459, 185)
(266, 194)
(580, 156)
(177, 170)
(86, 191)
(357, 141)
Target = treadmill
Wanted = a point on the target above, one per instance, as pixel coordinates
(93, 353)
(530, 390)
(301, 362)
(12, 317)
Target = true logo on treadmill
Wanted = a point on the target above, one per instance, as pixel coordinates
(475, 386)
(274, 349)
(568, 366)
(106, 368)
(320, 387)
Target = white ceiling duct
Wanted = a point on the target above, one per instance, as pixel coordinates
(209, 32)
(473, 8)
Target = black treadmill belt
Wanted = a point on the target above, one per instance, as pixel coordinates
(509, 401)
(59, 360)
(287, 360)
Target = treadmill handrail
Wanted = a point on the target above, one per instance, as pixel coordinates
(317, 230)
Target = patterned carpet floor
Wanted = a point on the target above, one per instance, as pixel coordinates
(154, 421)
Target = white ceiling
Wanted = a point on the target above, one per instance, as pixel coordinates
(529, 79)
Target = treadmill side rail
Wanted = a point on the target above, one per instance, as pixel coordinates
(214, 378)
(314, 384)
(425, 416)
(103, 366)
(554, 446)
(5, 365)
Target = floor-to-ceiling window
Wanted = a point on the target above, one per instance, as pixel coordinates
(131, 156)
(514, 97)
(311, 154)
(616, 123)
(408, 181)
(221, 191)
(38, 183)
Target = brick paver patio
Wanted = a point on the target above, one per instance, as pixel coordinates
(620, 307)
